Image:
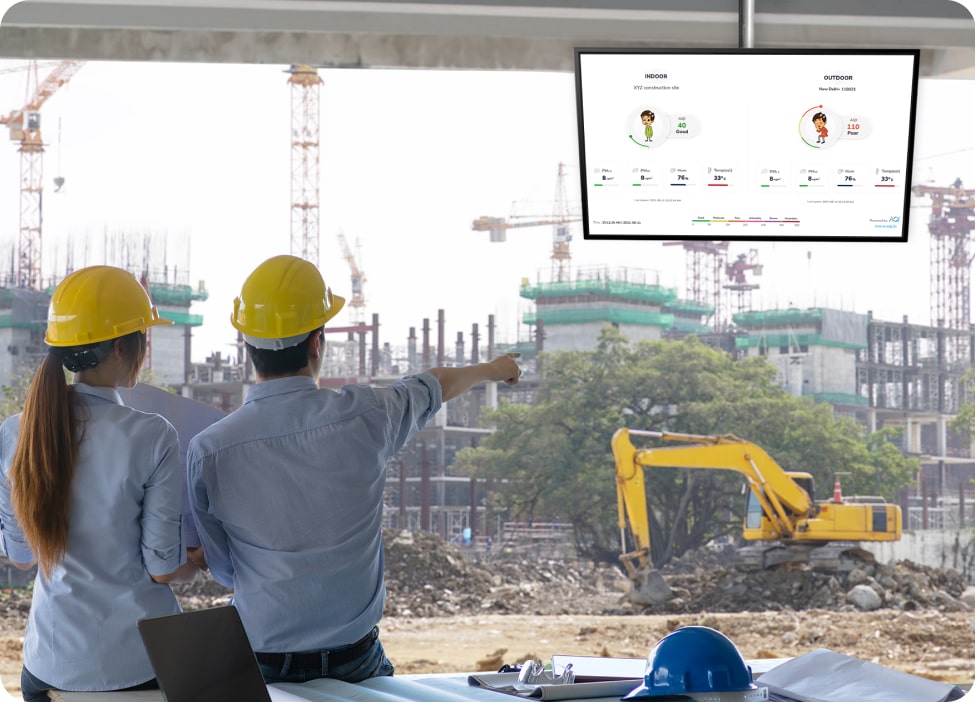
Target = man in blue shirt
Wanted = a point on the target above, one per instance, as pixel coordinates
(287, 491)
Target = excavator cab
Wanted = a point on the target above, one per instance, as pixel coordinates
(753, 527)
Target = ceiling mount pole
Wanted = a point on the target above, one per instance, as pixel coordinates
(746, 23)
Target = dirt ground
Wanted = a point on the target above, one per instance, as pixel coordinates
(447, 612)
(936, 645)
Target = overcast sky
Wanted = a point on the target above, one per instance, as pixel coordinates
(197, 159)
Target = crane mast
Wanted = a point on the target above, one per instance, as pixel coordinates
(950, 253)
(25, 128)
(704, 264)
(305, 83)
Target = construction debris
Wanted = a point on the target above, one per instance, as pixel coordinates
(427, 577)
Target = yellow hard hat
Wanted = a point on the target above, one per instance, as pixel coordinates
(283, 300)
(98, 303)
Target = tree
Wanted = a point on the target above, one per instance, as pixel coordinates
(15, 394)
(553, 459)
(964, 423)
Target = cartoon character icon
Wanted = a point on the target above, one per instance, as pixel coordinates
(820, 123)
(647, 119)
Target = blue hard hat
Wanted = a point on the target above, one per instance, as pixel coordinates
(697, 663)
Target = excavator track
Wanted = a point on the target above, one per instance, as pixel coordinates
(833, 557)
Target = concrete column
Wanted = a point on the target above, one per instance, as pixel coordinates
(913, 436)
(491, 389)
(412, 351)
(491, 395)
(402, 515)
(491, 337)
(440, 337)
(424, 489)
(941, 442)
(473, 509)
(375, 355)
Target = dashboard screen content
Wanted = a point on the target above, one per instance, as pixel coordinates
(746, 144)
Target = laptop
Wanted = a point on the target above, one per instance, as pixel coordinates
(203, 655)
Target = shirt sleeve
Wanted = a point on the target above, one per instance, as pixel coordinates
(162, 540)
(209, 529)
(14, 542)
(410, 403)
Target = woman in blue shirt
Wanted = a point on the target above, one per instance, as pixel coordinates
(91, 491)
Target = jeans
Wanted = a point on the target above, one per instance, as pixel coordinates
(372, 663)
(33, 689)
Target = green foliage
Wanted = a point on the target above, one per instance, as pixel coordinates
(149, 378)
(964, 423)
(552, 460)
(15, 394)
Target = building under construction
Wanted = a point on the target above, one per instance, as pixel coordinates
(23, 319)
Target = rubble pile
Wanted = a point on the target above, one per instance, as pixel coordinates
(427, 577)
(903, 586)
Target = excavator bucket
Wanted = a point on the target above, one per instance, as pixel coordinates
(649, 588)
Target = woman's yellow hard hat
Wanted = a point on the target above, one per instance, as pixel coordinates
(98, 303)
(283, 300)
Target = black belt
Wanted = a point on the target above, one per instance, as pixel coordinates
(313, 660)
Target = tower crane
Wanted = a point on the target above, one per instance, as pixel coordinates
(560, 220)
(25, 127)
(951, 225)
(357, 300)
(305, 83)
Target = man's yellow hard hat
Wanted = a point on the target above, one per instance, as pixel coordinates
(283, 300)
(98, 303)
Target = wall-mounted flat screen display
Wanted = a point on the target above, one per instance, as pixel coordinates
(746, 144)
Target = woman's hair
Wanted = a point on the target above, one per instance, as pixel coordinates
(47, 448)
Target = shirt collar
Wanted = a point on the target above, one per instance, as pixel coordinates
(278, 386)
(103, 392)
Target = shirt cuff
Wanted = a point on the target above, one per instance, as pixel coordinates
(17, 550)
(162, 560)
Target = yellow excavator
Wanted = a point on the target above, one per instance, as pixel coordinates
(788, 526)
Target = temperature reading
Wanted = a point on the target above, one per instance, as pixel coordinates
(886, 178)
(719, 178)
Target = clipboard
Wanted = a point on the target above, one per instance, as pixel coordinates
(508, 683)
(594, 677)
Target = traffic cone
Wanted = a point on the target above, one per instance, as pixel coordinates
(838, 498)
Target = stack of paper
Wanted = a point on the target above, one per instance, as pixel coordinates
(823, 675)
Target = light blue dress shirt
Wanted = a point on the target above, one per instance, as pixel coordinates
(124, 525)
(287, 495)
